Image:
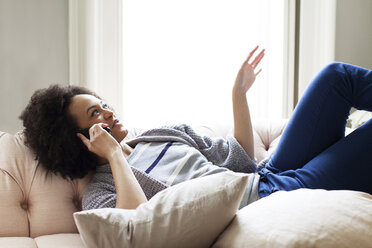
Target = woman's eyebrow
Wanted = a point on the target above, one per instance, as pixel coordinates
(93, 106)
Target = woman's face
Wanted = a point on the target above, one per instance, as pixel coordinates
(88, 110)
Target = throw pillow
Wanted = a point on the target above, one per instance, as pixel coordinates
(189, 214)
(303, 218)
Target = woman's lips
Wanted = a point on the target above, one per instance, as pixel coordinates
(115, 122)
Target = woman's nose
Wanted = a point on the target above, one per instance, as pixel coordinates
(107, 114)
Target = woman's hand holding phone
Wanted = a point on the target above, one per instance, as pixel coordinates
(101, 142)
(129, 194)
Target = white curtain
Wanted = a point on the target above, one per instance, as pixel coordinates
(95, 45)
(180, 59)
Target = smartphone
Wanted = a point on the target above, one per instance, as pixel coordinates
(85, 131)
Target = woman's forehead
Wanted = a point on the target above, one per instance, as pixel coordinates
(80, 103)
(84, 99)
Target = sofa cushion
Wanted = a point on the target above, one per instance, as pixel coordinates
(36, 202)
(303, 218)
(62, 240)
(189, 214)
(18, 242)
(14, 219)
(65, 240)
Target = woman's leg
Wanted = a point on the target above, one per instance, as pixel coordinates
(346, 165)
(320, 116)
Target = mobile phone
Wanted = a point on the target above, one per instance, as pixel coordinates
(85, 131)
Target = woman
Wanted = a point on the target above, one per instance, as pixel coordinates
(312, 153)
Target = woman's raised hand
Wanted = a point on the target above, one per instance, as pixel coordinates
(247, 74)
(101, 142)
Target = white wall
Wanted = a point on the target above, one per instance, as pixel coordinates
(33, 53)
(354, 32)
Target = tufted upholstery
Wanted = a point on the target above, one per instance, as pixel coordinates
(36, 207)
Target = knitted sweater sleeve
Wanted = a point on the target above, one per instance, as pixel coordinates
(101, 192)
(222, 152)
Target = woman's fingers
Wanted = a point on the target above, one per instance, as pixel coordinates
(93, 131)
(258, 72)
(258, 58)
(97, 128)
(251, 54)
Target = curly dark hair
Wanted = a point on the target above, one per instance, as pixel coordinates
(51, 132)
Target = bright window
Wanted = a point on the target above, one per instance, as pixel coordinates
(180, 59)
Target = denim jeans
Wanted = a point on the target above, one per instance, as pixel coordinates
(313, 151)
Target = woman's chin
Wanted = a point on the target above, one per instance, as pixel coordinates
(120, 134)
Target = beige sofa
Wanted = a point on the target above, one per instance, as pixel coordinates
(36, 208)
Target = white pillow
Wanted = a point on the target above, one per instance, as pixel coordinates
(303, 218)
(189, 214)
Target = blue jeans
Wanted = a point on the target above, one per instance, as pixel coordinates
(313, 151)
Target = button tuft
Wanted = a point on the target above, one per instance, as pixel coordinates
(24, 206)
(76, 202)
